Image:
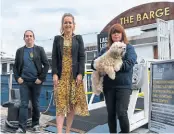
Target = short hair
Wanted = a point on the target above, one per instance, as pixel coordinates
(29, 31)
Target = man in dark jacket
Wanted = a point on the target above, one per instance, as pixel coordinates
(30, 70)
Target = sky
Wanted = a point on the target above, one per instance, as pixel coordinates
(44, 18)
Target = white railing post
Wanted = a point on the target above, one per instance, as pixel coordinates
(10, 85)
(163, 39)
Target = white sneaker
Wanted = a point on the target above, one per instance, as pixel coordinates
(36, 129)
(19, 130)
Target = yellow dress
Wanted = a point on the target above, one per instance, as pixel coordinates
(67, 95)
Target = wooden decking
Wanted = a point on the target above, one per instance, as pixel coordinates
(43, 120)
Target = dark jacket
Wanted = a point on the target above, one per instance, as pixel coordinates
(78, 55)
(40, 61)
(124, 76)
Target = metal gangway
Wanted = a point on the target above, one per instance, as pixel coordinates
(137, 117)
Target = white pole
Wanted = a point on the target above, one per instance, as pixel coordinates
(10, 85)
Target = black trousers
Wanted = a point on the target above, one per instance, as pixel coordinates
(117, 101)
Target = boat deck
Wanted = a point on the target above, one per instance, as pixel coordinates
(47, 124)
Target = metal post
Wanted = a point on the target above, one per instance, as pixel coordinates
(10, 84)
(172, 39)
(163, 39)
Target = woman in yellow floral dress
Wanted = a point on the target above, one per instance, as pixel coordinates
(68, 59)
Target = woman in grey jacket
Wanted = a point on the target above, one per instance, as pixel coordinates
(117, 92)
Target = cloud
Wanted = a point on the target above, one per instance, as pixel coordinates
(44, 18)
(54, 10)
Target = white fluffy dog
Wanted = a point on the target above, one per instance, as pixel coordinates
(109, 63)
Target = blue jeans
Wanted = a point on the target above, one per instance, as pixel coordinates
(29, 91)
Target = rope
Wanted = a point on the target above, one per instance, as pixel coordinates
(49, 103)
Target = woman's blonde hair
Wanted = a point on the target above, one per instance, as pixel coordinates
(114, 29)
(66, 15)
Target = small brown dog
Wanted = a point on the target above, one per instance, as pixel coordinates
(109, 63)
